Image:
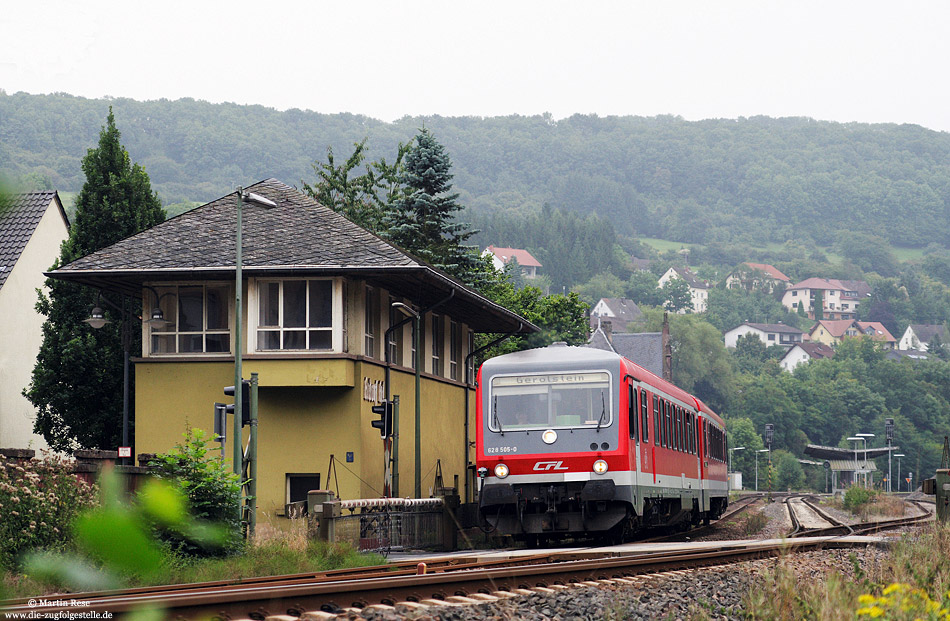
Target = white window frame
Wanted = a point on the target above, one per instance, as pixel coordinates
(148, 303)
(336, 317)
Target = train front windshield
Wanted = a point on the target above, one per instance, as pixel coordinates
(549, 400)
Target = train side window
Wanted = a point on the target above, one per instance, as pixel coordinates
(669, 425)
(692, 434)
(644, 416)
(657, 431)
(663, 436)
(676, 427)
(680, 436)
(683, 432)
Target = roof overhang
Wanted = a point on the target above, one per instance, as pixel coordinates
(419, 284)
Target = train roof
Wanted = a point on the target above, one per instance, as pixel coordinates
(558, 356)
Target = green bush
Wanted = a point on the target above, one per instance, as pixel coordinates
(39, 499)
(856, 497)
(213, 491)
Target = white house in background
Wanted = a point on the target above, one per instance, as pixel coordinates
(32, 227)
(618, 311)
(698, 288)
(803, 352)
(918, 336)
(768, 333)
(839, 298)
(500, 257)
(757, 276)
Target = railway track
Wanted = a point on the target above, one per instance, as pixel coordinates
(445, 580)
(836, 527)
(331, 592)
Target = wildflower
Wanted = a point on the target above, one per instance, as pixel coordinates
(871, 611)
(15, 513)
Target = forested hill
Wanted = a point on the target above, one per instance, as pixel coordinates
(752, 179)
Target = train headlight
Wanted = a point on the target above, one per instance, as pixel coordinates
(501, 471)
(549, 436)
(600, 466)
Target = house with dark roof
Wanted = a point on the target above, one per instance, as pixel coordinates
(768, 333)
(321, 327)
(756, 276)
(801, 353)
(643, 348)
(918, 336)
(698, 288)
(32, 227)
(501, 257)
(618, 311)
(839, 299)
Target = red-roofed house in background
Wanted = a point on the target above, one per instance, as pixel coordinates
(757, 276)
(832, 331)
(501, 257)
(32, 227)
(839, 298)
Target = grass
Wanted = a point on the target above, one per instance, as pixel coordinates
(275, 552)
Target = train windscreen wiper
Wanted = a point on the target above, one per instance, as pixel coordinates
(603, 411)
(494, 416)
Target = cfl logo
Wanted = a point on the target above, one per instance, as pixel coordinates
(543, 466)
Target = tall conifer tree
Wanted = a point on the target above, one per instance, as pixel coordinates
(423, 220)
(78, 377)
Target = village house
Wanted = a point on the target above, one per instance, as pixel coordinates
(919, 336)
(328, 324)
(501, 257)
(831, 332)
(839, 298)
(32, 227)
(801, 353)
(768, 333)
(757, 277)
(698, 288)
(618, 311)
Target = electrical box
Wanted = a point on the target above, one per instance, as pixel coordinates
(943, 494)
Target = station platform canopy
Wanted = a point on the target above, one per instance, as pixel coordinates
(826, 453)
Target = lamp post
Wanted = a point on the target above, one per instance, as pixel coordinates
(898, 456)
(889, 434)
(765, 450)
(855, 475)
(250, 197)
(865, 436)
(737, 448)
(417, 474)
(97, 320)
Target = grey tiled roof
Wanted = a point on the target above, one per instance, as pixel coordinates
(298, 232)
(774, 327)
(19, 216)
(298, 237)
(926, 332)
(643, 348)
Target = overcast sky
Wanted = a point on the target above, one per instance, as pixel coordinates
(844, 61)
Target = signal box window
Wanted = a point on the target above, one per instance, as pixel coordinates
(550, 400)
(295, 315)
(197, 319)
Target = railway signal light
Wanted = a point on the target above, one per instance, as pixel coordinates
(245, 401)
(385, 422)
(889, 429)
(769, 432)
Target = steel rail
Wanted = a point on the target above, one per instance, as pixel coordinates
(259, 600)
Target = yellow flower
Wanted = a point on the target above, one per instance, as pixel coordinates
(896, 586)
(866, 599)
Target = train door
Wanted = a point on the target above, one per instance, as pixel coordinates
(636, 433)
(703, 464)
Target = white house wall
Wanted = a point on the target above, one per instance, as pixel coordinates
(21, 331)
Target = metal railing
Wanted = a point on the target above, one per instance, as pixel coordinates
(384, 525)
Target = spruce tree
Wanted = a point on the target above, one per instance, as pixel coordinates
(78, 377)
(423, 219)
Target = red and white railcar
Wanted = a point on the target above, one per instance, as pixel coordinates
(583, 442)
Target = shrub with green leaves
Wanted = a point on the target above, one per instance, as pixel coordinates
(212, 490)
(856, 497)
(39, 500)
